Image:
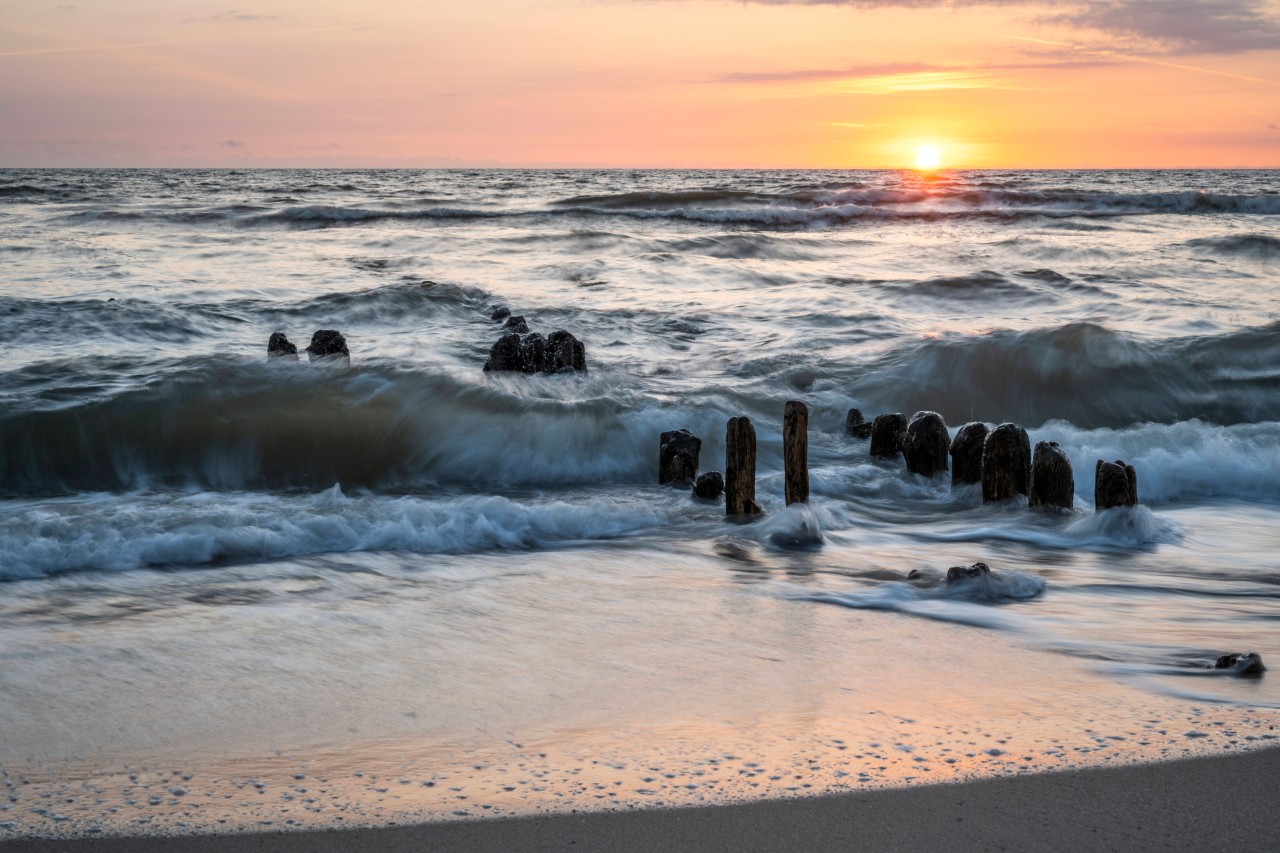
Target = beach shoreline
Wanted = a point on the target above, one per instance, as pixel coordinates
(1208, 803)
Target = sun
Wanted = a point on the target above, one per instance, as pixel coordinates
(928, 158)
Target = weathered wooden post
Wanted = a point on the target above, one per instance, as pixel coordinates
(678, 457)
(740, 468)
(1114, 484)
(925, 447)
(966, 454)
(1052, 483)
(888, 432)
(795, 451)
(1006, 463)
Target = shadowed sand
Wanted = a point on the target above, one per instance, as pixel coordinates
(1217, 803)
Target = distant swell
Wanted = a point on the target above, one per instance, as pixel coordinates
(831, 204)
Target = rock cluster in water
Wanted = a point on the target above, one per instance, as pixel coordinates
(522, 351)
(325, 344)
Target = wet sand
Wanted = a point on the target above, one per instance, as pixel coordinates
(1215, 803)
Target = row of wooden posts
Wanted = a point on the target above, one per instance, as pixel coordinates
(1000, 459)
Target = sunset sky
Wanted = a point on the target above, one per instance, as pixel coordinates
(698, 83)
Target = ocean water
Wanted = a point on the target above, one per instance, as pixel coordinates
(206, 555)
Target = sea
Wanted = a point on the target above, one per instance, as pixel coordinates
(241, 592)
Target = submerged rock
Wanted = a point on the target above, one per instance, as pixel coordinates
(926, 444)
(709, 486)
(504, 354)
(565, 352)
(1006, 463)
(1052, 483)
(530, 352)
(1114, 484)
(888, 434)
(1241, 663)
(959, 573)
(327, 343)
(678, 457)
(516, 324)
(855, 425)
(499, 312)
(966, 454)
(533, 353)
(278, 345)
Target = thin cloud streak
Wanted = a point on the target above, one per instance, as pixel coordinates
(88, 48)
(1170, 26)
(1125, 57)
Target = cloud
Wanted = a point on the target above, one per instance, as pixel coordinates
(829, 73)
(232, 15)
(233, 143)
(1273, 127)
(905, 76)
(1183, 26)
(1169, 26)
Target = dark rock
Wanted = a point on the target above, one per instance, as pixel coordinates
(278, 345)
(533, 353)
(327, 343)
(888, 434)
(1006, 463)
(565, 352)
(505, 354)
(1114, 484)
(709, 487)
(855, 425)
(678, 457)
(500, 312)
(925, 448)
(1052, 483)
(1241, 663)
(966, 454)
(959, 573)
(516, 324)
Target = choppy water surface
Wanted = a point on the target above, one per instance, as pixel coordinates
(160, 480)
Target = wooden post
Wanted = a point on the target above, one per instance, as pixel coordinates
(1115, 484)
(1052, 482)
(1006, 463)
(795, 451)
(740, 468)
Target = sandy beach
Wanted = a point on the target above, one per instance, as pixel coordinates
(1216, 803)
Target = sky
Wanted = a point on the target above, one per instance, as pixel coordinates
(640, 83)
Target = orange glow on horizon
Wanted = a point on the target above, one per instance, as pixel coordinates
(928, 158)
(665, 85)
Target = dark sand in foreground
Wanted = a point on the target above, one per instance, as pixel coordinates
(1229, 803)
